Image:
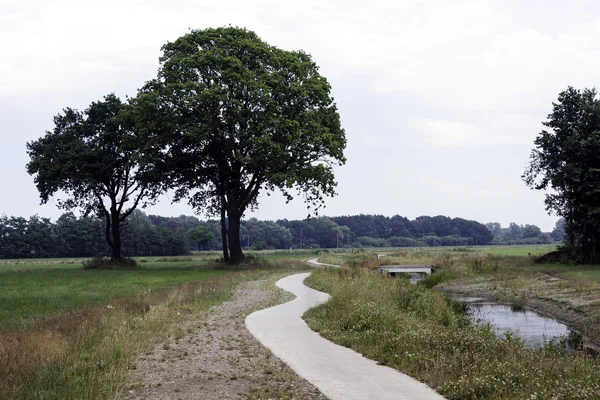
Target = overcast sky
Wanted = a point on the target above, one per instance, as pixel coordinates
(440, 100)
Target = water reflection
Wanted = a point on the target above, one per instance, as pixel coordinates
(534, 329)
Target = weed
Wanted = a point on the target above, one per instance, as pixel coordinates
(87, 352)
(420, 332)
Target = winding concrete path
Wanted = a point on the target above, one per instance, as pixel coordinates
(338, 372)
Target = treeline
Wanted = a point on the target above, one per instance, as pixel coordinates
(72, 236)
(516, 234)
(153, 235)
(346, 231)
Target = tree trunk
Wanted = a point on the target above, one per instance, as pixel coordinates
(236, 256)
(116, 238)
(224, 232)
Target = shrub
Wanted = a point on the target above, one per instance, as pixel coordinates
(107, 263)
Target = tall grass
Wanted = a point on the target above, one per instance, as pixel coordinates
(87, 353)
(422, 333)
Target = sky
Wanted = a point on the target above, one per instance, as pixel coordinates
(441, 100)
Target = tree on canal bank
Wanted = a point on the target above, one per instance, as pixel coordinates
(566, 160)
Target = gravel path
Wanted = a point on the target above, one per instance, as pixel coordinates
(221, 360)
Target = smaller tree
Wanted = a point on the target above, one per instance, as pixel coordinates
(530, 231)
(201, 235)
(515, 231)
(88, 157)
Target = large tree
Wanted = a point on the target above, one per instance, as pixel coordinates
(566, 159)
(87, 156)
(230, 116)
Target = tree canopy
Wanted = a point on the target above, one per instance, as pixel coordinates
(201, 236)
(87, 156)
(566, 159)
(230, 116)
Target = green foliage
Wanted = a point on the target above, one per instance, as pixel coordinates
(566, 159)
(257, 246)
(89, 156)
(71, 236)
(421, 333)
(372, 242)
(516, 234)
(396, 241)
(201, 235)
(269, 233)
(439, 277)
(432, 228)
(239, 117)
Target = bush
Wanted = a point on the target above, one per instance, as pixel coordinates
(108, 263)
(437, 278)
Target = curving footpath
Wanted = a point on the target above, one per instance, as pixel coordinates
(338, 372)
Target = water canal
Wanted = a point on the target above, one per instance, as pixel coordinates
(534, 329)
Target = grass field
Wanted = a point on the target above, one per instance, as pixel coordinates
(25, 295)
(515, 250)
(69, 333)
(38, 287)
(521, 250)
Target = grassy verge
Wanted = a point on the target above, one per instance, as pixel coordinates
(418, 331)
(569, 293)
(88, 351)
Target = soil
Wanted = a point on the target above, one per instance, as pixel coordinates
(221, 360)
(545, 293)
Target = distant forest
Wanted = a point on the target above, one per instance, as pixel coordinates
(153, 235)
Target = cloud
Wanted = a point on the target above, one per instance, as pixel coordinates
(415, 79)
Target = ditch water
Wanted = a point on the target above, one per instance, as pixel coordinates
(534, 329)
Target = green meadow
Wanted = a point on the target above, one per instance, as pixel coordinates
(30, 289)
(70, 333)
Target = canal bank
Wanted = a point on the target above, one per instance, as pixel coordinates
(418, 332)
(544, 293)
